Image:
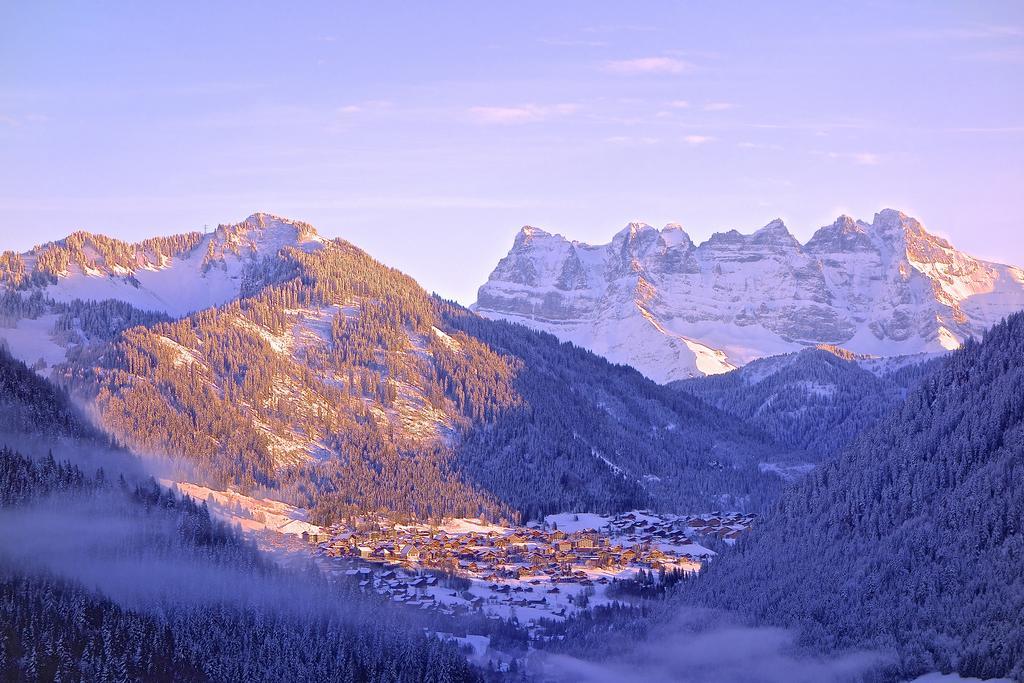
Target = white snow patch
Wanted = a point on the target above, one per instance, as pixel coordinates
(31, 340)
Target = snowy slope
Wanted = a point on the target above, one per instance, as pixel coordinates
(655, 300)
(208, 275)
(183, 274)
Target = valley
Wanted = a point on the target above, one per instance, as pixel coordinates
(538, 572)
(411, 453)
(483, 342)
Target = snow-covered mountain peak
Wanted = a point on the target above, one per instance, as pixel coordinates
(844, 235)
(175, 275)
(776, 234)
(264, 232)
(653, 299)
(527, 233)
(259, 235)
(636, 240)
(903, 231)
(673, 235)
(632, 230)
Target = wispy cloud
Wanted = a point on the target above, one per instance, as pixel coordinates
(698, 139)
(620, 28)
(19, 121)
(759, 145)
(1010, 55)
(679, 104)
(866, 158)
(634, 141)
(861, 158)
(689, 650)
(568, 42)
(368, 105)
(648, 65)
(817, 127)
(977, 32)
(519, 114)
(987, 129)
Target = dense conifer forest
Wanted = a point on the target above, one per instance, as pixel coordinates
(911, 541)
(57, 629)
(816, 400)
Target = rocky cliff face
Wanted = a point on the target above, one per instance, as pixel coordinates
(673, 309)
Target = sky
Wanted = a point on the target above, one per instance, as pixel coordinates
(429, 133)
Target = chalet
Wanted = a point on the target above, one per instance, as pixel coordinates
(586, 543)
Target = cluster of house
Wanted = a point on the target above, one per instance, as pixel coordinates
(546, 569)
(639, 527)
(425, 590)
(630, 540)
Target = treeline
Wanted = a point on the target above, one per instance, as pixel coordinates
(89, 252)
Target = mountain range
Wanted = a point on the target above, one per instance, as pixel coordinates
(674, 309)
(265, 356)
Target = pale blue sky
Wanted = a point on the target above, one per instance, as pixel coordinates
(428, 133)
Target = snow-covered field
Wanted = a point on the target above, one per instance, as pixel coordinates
(31, 341)
(249, 514)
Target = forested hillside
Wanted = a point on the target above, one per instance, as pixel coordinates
(55, 628)
(340, 384)
(31, 406)
(104, 577)
(912, 539)
(592, 435)
(815, 400)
